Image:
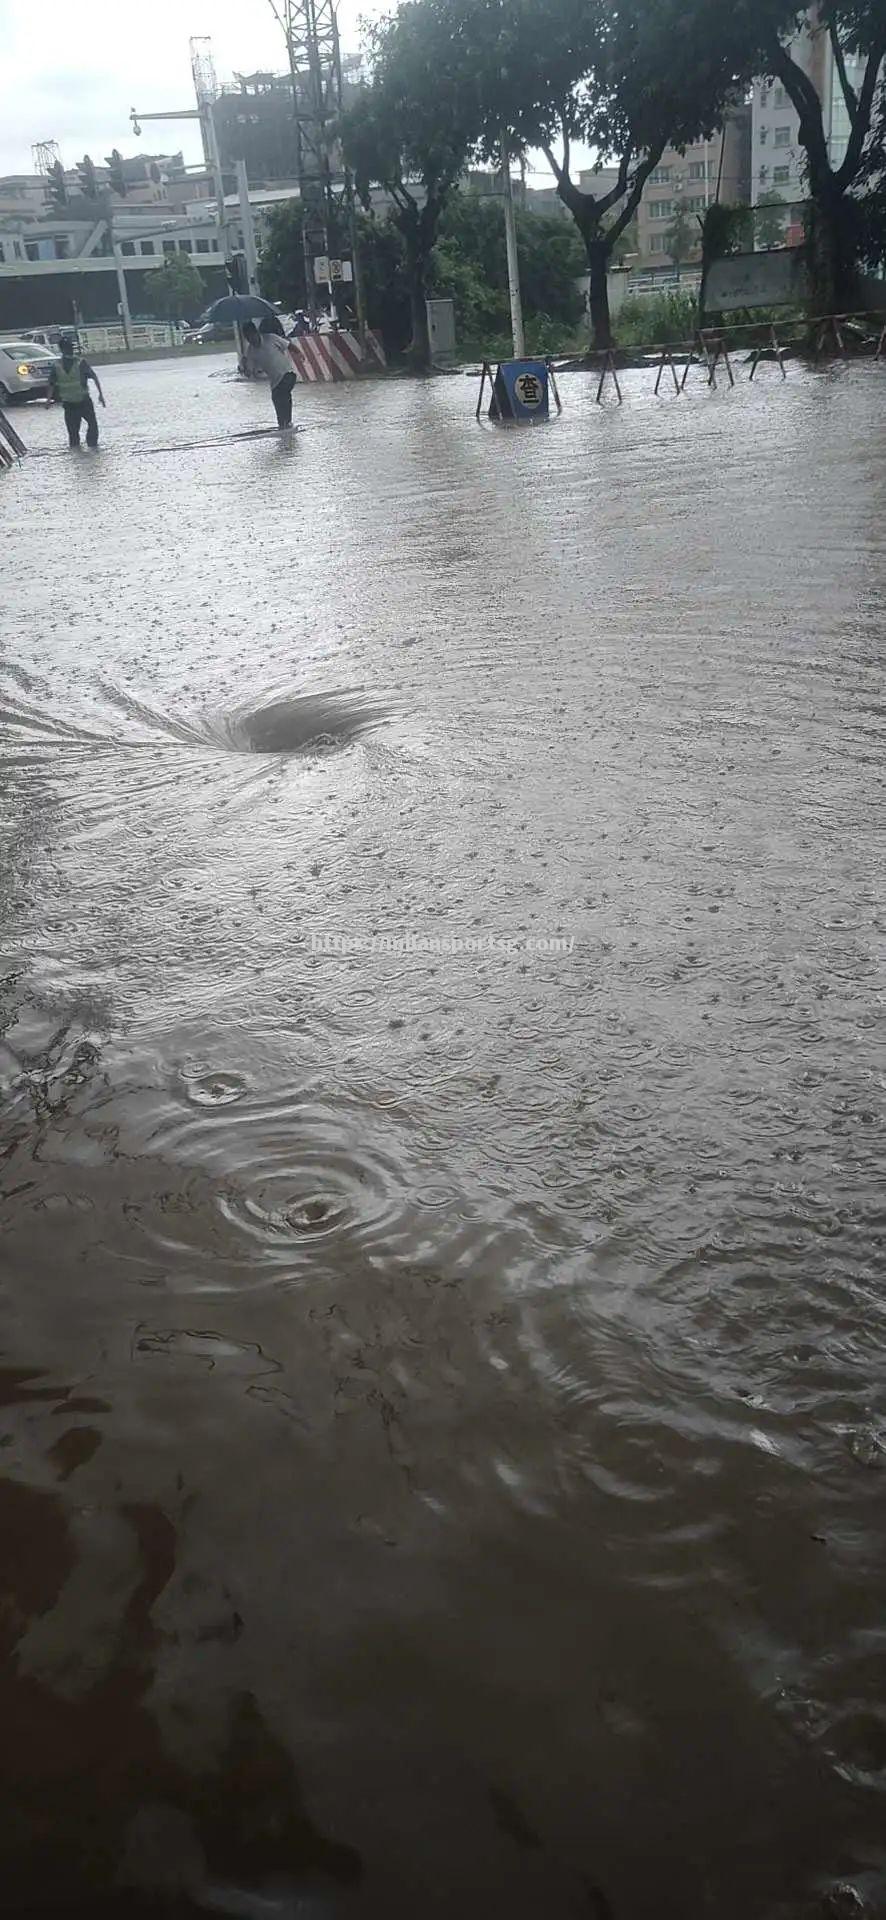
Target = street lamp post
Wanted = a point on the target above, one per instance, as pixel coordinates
(204, 114)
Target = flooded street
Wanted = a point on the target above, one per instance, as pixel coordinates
(443, 1428)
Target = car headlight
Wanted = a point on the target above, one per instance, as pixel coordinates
(24, 370)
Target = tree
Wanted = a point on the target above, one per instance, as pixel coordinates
(281, 269)
(470, 263)
(56, 186)
(769, 221)
(407, 133)
(86, 176)
(724, 229)
(176, 288)
(550, 73)
(626, 245)
(759, 37)
(853, 27)
(681, 235)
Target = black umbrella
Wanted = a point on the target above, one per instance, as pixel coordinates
(234, 308)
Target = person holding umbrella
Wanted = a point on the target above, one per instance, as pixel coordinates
(266, 353)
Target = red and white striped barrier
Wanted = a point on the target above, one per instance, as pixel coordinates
(335, 356)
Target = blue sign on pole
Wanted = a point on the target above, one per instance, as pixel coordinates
(520, 391)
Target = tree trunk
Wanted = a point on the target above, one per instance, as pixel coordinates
(597, 250)
(830, 252)
(420, 344)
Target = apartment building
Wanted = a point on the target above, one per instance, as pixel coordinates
(683, 185)
(777, 158)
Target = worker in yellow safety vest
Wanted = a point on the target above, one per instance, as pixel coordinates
(68, 383)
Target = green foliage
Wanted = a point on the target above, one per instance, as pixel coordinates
(627, 243)
(726, 229)
(409, 132)
(683, 235)
(176, 289)
(659, 319)
(281, 270)
(770, 218)
(470, 264)
(281, 266)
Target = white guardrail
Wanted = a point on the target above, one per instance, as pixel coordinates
(111, 339)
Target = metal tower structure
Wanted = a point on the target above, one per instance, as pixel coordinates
(203, 68)
(44, 155)
(310, 29)
(205, 85)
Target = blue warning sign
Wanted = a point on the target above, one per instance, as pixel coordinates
(520, 391)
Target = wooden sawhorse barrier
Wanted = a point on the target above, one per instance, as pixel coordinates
(773, 350)
(708, 348)
(608, 369)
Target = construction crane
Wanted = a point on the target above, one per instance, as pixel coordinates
(310, 29)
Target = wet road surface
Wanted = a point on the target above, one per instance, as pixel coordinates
(443, 1431)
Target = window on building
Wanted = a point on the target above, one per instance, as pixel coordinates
(660, 209)
(658, 243)
(202, 246)
(779, 97)
(660, 176)
(695, 203)
(781, 173)
(127, 246)
(696, 169)
(764, 174)
(186, 246)
(169, 246)
(782, 136)
(2, 254)
(146, 246)
(62, 246)
(764, 135)
(764, 96)
(32, 251)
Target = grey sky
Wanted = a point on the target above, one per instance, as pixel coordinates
(71, 74)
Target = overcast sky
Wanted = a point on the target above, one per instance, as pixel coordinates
(72, 73)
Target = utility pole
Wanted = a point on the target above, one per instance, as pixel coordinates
(513, 263)
(246, 221)
(125, 315)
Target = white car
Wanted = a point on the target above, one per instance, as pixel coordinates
(24, 370)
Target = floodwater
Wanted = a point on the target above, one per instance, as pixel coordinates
(444, 1441)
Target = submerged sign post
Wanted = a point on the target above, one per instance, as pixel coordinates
(520, 390)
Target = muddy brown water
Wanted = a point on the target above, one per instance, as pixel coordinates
(443, 1443)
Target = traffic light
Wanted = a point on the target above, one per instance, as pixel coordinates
(56, 185)
(86, 177)
(114, 164)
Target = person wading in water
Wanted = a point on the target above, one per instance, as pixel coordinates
(267, 353)
(68, 382)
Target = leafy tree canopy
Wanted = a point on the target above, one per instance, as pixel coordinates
(176, 289)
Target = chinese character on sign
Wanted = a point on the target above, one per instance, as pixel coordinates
(528, 389)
